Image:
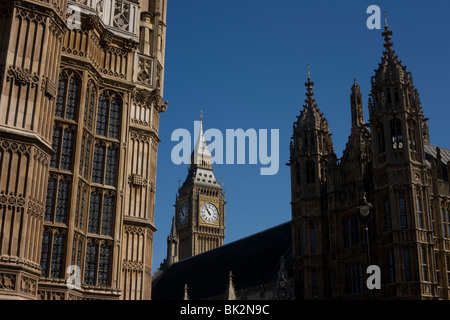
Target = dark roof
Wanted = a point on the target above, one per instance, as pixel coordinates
(254, 260)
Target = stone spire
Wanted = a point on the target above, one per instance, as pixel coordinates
(230, 293)
(356, 105)
(201, 155)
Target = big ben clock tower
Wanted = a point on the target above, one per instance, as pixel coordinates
(199, 223)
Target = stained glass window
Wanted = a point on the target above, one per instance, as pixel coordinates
(98, 164)
(104, 265)
(114, 119)
(102, 115)
(50, 202)
(94, 213)
(91, 264)
(62, 204)
(45, 252)
(57, 256)
(111, 166)
(67, 151)
(107, 217)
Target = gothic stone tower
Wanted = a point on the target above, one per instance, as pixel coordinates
(79, 118)
(311, 148)
(200, 207)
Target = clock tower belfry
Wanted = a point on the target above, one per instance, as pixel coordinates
(200, 206)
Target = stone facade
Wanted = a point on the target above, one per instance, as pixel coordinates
(406, 179)
(79, 119)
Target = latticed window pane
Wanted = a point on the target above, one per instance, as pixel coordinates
(102, 115)
(74, 247)
(90, 268)
(83, 208)
(104, 266)
(83, 146)
(98, 164)
(72, 99)
(111, 166)
(114, 119)
(77, 208)
(60, 99)
(79, 251)
(107, 218)
(56, 146)
(57, 256)
(87, 155)
(121, 15)
(50, 202)
(94, 213)
(67, 151)
(91, 109)
(45, 252)
(86, 107)
(62, 204)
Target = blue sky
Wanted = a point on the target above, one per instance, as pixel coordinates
(244, 63)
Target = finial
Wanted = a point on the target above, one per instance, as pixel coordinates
(309, 72)
(201, 115)
(385, 19)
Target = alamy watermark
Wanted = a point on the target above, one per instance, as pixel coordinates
(257, 147)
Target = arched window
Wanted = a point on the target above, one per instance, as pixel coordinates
(108, 116)
(419, 212)
(68, 96)
(58, 199)
(396, 134)
(89, 106)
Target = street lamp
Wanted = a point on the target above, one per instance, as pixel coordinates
(364, 209)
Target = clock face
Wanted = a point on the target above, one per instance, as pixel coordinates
(182, 214)
(209, 213)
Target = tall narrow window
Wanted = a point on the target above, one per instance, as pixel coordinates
(432, 219)
(57, 256)
(114, 119)
(68, 96)
(67, 150)
(312, 234)
(72, 99)
(299, 241)
(111, 166)
(87, 155)
(82, 207)
(90, 269)
(402, 207)
(444, 223)
(61, 97)
(45, 252)
(396, 134)
(107, 215)
(104, 265)
(98, 164)
(387, 214)
(407, 264)
(310, 172)
(56, 146)
(102, 115)
(62, 204)
(424, 264)
(94, 213)
(50, 202)
(419, 212)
